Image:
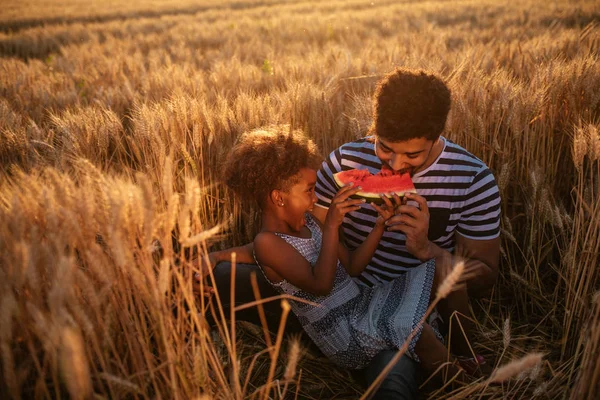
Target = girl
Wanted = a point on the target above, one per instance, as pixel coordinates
(350, 323)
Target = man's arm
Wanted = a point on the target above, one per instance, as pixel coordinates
(244, 254)
(481, 262)
(481, 256)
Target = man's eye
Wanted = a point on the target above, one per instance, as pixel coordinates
(413, 156)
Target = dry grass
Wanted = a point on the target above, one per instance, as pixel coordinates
(114, 120)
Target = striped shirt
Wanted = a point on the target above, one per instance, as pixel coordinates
(461, 193)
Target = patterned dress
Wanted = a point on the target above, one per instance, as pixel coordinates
(353, 323)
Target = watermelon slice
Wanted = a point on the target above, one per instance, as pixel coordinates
(385, 182)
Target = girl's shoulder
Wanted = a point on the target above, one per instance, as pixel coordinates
(264, 244)
(275, 252)
(266, 238)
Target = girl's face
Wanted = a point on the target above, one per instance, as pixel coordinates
(300, 198)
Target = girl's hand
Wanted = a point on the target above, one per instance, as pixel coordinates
(342, 204)
(387, 209)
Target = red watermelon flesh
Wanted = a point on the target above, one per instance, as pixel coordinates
(385, 182)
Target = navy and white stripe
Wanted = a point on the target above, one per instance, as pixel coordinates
(461, 194)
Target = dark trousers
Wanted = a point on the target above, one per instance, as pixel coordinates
(400, 383)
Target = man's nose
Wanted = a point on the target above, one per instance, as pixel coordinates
(398, 163)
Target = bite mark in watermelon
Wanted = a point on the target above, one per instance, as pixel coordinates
(384, 182)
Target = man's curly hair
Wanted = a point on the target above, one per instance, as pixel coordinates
(410, 104)
(267, 159)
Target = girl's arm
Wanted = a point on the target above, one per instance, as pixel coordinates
(280, 260)
(357, 260)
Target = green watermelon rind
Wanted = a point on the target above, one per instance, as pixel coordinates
(372, 197)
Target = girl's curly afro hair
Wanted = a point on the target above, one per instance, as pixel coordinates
(410, 104)
(267, 159)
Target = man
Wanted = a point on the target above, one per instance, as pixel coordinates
(456, 210)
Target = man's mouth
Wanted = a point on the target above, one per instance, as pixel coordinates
(409, 170)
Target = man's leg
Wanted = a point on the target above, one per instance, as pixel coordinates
(400, 383)
(244, 294)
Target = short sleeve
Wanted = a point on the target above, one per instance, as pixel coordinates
(480, 216)
(326, 188)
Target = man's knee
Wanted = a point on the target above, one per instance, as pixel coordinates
(481, 288)
(399, 383)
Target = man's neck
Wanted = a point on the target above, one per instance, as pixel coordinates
(434, 153)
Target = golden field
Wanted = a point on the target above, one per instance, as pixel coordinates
(115, 118)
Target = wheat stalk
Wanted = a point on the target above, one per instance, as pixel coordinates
(516, 367)
(124, 113)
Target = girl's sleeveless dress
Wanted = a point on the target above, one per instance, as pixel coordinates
(353, 323)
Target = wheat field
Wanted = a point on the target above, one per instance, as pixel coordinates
(116, 116)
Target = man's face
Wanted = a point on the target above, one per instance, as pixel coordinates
(408, 156)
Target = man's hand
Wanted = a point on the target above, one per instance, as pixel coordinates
(208, 290)
(414, 223)
(205, 263)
